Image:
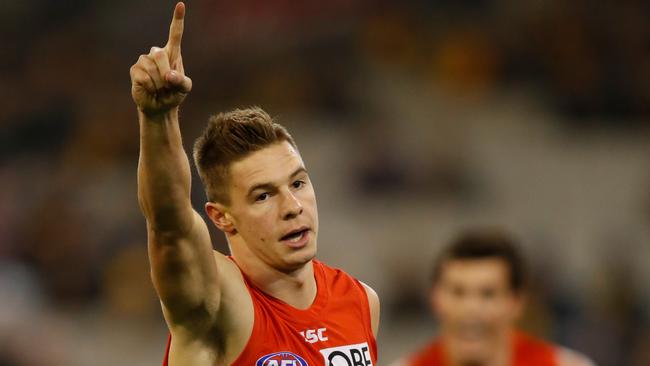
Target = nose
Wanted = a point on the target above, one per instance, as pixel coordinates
(291, 206)
(471, 305)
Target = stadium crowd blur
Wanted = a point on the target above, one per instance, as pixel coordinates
(416, 119)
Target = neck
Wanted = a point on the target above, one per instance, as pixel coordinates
(296, 286)
(498, 353)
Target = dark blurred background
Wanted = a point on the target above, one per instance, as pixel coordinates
(416, 119)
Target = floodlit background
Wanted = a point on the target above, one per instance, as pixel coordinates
(416, 119)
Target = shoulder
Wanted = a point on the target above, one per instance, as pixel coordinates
(373, 303)
(233, 322)
(337, 279)
(429, 354)
(531, 346)
(338, 276)
(568, 357)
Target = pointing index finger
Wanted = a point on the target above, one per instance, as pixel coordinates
(176, 31)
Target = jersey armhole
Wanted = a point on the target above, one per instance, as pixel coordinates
(368, 317)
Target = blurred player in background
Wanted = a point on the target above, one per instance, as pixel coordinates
(271, 303)
(477, 295)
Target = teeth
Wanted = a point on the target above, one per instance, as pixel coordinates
(295, 237)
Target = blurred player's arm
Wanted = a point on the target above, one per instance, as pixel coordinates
(180, 251)
(399, 362)
(373, 303)
(568, 357)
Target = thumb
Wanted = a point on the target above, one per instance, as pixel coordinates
(179, 81)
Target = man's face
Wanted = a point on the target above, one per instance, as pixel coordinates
(475, 305)
(273, 206)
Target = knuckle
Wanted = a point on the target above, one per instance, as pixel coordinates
(136, 72)
(159, 54)
(143, 60)
(156, 51)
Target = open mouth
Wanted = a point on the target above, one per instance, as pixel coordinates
(472, 332)
(296, 237)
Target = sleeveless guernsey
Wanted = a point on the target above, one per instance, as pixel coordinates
(334, 331)
(527, 351)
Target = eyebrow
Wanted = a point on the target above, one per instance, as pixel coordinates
(270, 186)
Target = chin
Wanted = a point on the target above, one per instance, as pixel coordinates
(300, 257)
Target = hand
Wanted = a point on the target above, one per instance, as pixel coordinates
(158, 81)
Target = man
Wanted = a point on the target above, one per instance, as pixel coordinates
(271, 303)
(477, 295)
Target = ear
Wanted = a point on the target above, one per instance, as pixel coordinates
(434, 298)
(219, 215)
(518, 303)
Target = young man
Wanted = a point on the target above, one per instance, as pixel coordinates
(271, 303)
(477, 295)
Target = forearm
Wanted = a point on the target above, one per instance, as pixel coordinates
(164, 178)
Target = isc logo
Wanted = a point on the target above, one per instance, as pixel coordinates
(352, 355)
(281, 359)
(315, 335)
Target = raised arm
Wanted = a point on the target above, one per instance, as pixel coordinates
(180, 251)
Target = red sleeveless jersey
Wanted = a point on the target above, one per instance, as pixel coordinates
(527, 351)
(335, 330)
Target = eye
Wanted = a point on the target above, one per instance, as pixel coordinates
(457, 291)
(298, 184)
(488, 293)
(262, 197)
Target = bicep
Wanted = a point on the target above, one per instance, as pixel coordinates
(184, 271)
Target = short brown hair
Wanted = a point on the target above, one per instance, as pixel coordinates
(484, 243)
(230, 137)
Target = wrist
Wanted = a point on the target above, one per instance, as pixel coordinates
(158, 116)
